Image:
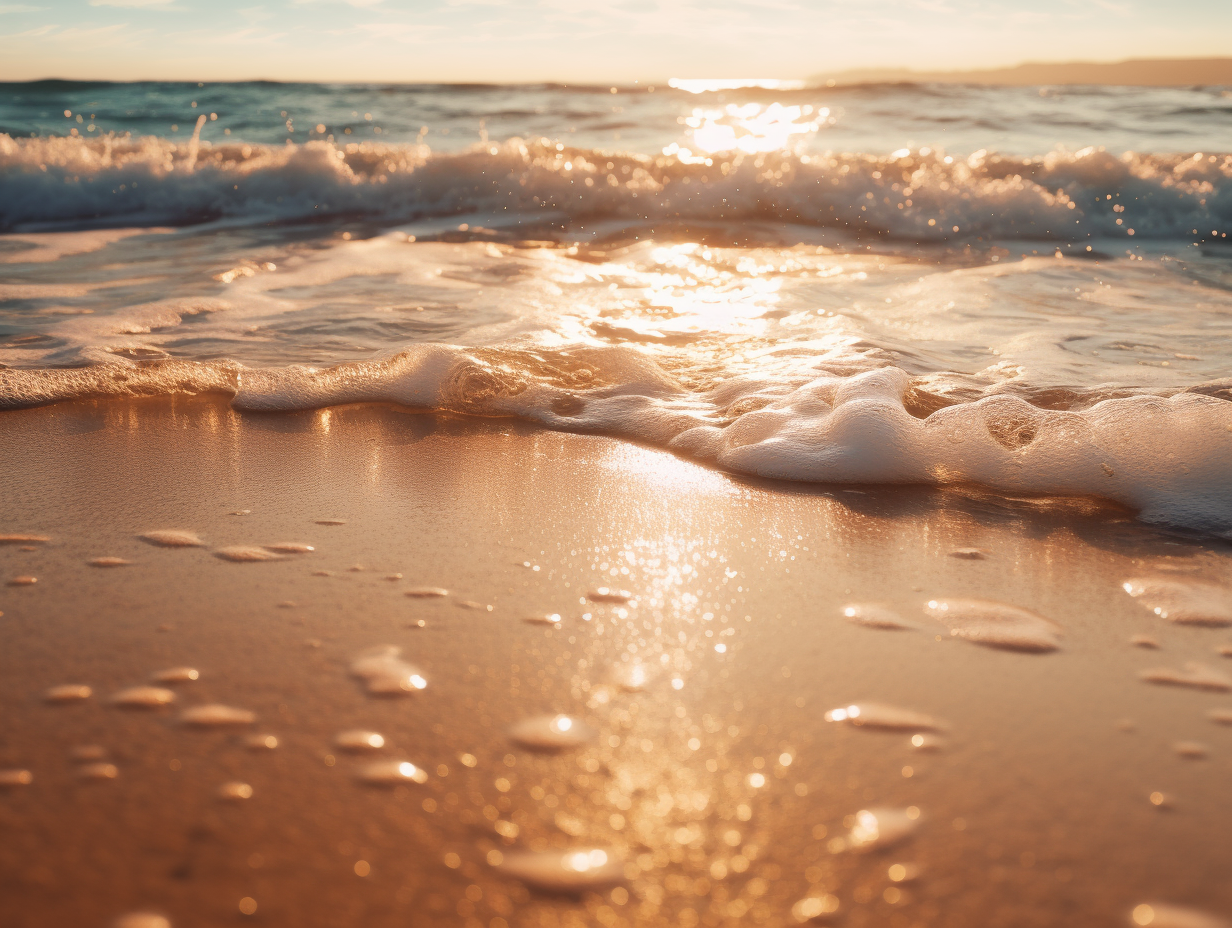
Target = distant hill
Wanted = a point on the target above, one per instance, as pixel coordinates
(1137, 72)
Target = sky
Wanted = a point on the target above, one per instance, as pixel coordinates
(582, 41)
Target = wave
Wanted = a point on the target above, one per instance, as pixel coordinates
(910, 196)
(1169, 458)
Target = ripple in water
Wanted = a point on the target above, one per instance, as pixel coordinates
(108, 562)
(291, 547)
(1158, 915)
(607, 595)
(426, 592)
(11, 539)
(1144, 641)
(1194, 674)
(175, 675)
(331, 521)
(246, 554)
(143, 697)
(386, 674)
(551, 732)
(1220, 716)
(1191, 750)
(877, 715)
(996, 625)
(172, 538)
(875, 615)
(1185, 602)
(216, 715)
(67, 692)
(882, 828)
(10, 779)
(391, 773)
(359, 740)
(569, 871)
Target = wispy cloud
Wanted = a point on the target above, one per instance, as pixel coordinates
(138, 4)
(18, 8)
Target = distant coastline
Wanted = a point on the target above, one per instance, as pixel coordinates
(1135, 72)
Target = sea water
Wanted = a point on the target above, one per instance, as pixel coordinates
(1022, 288)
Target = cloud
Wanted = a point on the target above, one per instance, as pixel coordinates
(18, 8)
(137, 4)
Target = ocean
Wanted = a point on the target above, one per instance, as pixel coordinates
(1024, 289)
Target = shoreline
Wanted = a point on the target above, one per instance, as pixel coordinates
(1035, 809)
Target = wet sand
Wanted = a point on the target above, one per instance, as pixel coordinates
(718, 791)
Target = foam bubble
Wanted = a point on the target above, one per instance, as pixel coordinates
(1186, 602)
(551, 732)
(569, 871)
(216, 715)
(996, 625)
(67, 692)
(1192, 674)
(172, 538)
(247, 554)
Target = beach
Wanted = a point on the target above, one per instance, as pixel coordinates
(691, 624)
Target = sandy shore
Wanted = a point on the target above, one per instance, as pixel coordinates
(718, 791)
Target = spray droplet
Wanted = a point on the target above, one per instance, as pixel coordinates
(9, 779)
(235, 791)
(391, 773)
(996, 625)
(565, 871)
(246, 554)
(877, 715)
(875, 615)
(216, 715)
(1199, 676)
(607, 595)
(1186, 602)
(108, 562)
(143, 697)
(67, 692)
(175, 675)
(551, 732)
(172, 538)
(359, 740)
(426, 592)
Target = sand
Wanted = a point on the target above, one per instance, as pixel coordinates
(719, 792)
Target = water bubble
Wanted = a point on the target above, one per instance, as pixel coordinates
(881, 828)
(108, 562)
(246, 553)
(172, 538)
(261, 742)
(23, 581)
(141, 920)
(568, 871)
(877, 715)
(175, 675)
(426, 592)
(215, 715)
(1194, 674)
(291, 547)
(23, 539)
(87, 753)
(551, 732)
(331, 521)
(1158, 915)
(98, 771)
(875, 615)
(1187, 602)
(969, 554)
(813, 908)
(67, 692)
(1144, 641)
(996, 625)
(551, 618)
(13, 778)
(1193, 750)
(385, 673)
(607, 595)
(143, 697)
(391, 773)
(359, 740)
(1220, 716)
(235, 791)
